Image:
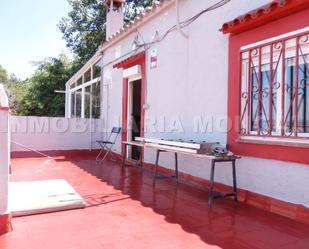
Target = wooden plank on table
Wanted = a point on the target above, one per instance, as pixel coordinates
(185, 151)
(140, 144)
(171, 148)
(189, 152)
(169, 142)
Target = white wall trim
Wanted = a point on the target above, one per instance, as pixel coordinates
(275, 38)
(287, 141)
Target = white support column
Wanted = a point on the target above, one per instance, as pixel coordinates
(4, 161)
(67, 101)
(83, 103)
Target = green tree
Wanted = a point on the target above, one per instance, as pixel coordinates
(40, 98)
(3, 75)
(14, 88)
(17, 90)
(135, 7)
(83, 29)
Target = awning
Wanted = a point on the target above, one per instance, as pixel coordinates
(266, 13)
(131, 61)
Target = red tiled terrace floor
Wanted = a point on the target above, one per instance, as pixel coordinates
(124, 210)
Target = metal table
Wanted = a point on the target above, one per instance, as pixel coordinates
(169, 149)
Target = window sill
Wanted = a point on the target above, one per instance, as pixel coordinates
(289, 142)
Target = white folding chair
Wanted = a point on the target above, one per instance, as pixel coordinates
(108, 144)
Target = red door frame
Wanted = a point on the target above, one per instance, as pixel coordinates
(138, 59)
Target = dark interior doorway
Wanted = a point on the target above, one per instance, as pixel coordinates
(136, 116)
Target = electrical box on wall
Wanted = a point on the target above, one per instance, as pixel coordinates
(153, 58)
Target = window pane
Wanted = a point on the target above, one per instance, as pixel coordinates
(73, 102)
(79, 81)
(254, 93)
(244, 94)
(72, 85)
(276, 87)
(87, 76)
(265, 91)
(303, 85)
(96, 100)
(87, 101)
(289, 86)
(289, 94)
(302, 98)
(78, 103)
(275, 100)
(96, 70)
(254, 99)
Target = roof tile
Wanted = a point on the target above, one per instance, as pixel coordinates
(263, 14)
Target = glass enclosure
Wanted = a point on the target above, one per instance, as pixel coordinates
(85, 93)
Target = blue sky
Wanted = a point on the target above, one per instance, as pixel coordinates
(29, 32)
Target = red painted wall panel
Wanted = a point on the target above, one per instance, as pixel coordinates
(236, 41)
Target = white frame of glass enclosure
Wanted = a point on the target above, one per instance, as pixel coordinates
(82, 87)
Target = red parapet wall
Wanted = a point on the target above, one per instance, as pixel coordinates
(3, 108)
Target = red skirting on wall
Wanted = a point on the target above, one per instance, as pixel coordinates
(5, 223)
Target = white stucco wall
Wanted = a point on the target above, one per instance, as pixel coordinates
(191, 81)
(4, 160)
(44, 134)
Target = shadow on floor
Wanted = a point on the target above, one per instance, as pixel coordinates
(224, 225)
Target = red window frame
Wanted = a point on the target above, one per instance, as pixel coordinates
(262, 147)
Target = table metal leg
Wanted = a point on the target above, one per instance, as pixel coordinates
(124, 156)
(140, 161)
(176, 166)
(234, 180)
(156, 166)
(212, 176)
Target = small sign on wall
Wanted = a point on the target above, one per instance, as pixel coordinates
(153, 58)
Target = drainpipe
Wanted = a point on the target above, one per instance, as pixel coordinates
(178, 21)
(5, 216)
